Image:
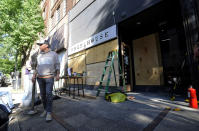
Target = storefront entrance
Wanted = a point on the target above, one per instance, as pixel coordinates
(147, 60)
(154, 49)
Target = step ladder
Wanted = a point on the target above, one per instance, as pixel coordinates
(109, 64)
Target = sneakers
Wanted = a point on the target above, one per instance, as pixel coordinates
(48, 117)
(31, 112)
(43, 114)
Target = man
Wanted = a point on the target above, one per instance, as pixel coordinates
(47, 68)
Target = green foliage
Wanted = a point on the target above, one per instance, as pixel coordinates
(6, 65)
(20, 23)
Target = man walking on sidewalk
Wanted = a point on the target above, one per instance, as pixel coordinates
(48, 67)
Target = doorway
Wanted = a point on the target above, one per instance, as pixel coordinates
(156, 48)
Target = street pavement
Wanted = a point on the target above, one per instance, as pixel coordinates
(148, 111)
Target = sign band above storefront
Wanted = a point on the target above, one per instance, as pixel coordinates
(101, 37)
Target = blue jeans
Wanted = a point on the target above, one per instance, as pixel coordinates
(46, 87)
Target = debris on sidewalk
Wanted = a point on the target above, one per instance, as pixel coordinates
(176, 109)
(130, 98)
(168, 108)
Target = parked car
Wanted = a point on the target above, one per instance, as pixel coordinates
(7, 80)
(2, 79)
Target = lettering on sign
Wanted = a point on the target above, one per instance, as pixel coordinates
(101, 37)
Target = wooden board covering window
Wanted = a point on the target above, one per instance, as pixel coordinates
(77, 62)
(147, 62)
(95, 61)
(99, 53)
(92, 61)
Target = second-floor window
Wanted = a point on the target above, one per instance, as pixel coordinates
(64, 7)
(52, 22)
(58, 14)
(44, 14)
(52, 2)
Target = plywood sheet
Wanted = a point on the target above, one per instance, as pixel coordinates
(94, 72)
(99, 53)
(77, 63)
(92, 61)
(147, 62)
(77, 54)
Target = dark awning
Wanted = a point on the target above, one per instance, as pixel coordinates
(57, 40)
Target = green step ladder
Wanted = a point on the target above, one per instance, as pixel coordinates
(109, 63)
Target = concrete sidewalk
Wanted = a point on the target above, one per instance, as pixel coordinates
(148, 111)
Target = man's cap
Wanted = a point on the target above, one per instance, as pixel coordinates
(44, 42)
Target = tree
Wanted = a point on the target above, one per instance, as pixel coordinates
(20, 24)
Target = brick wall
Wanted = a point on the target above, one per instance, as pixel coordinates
(51, 11)
(59, 3)
(46, 8)
(69, 5)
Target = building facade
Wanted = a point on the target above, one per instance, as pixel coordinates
(155, 40)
